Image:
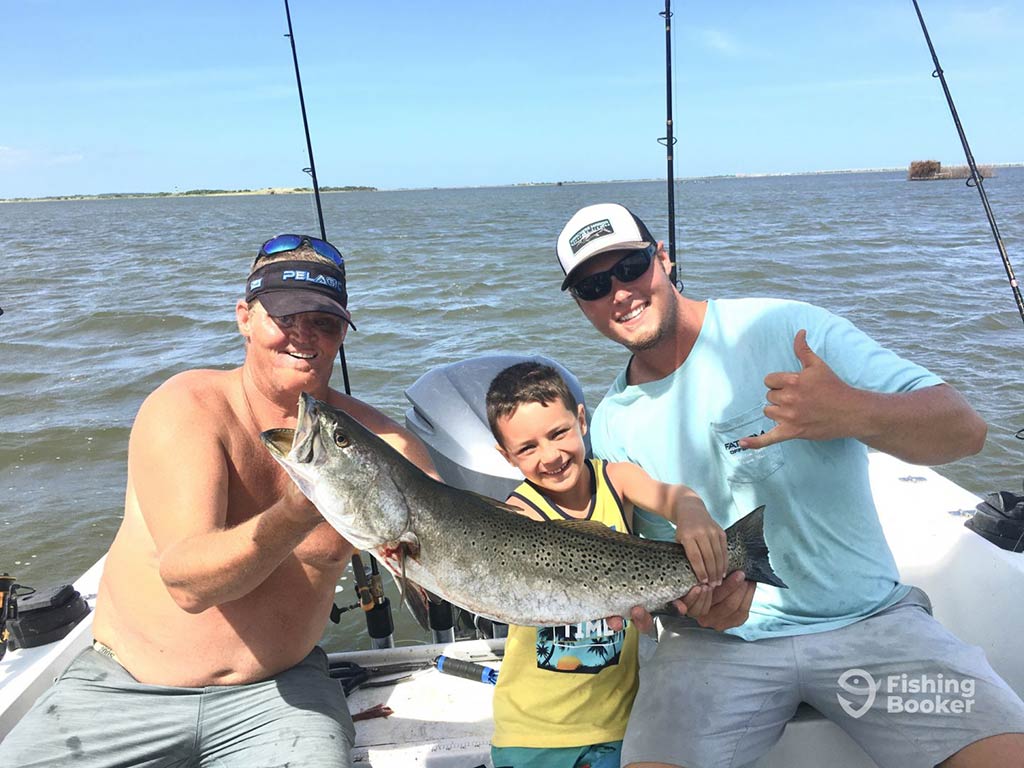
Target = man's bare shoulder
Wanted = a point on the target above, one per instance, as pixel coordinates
(370, 417)
(187, 394)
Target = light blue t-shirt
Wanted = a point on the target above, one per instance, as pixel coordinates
(821, 524)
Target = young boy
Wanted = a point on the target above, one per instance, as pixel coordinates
(564, 693)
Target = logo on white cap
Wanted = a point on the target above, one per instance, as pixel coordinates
(589, 232)
(597, 229)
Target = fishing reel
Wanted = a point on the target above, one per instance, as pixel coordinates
(376, 606)
(8, 608)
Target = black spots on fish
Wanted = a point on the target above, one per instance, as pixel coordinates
(492, 542)
(544, 561)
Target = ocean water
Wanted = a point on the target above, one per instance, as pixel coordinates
(105, 299)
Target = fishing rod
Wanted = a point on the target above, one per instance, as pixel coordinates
(975, 179)
(669, 142)
(305, 124)
(312, 169)
(378, 614)
(1000, 513)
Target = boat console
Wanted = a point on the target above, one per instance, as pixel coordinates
(448, 412)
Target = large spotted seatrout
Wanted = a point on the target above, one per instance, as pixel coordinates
(475, 552)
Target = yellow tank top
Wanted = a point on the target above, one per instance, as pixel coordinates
(569, 685)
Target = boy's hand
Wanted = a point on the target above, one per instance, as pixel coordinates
(704, 542)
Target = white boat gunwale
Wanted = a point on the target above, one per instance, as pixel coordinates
(443, 721)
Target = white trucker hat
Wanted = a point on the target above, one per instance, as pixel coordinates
(598, 229)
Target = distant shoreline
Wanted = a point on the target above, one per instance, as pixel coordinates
(188, 193)
(309, 190)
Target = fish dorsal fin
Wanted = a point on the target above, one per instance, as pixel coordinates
(595, 529)
(507, 508)
(494, 502)
(590, 527)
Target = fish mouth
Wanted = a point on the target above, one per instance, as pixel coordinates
(295, 445)
(279, 441)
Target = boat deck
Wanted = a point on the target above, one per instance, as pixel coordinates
(439, 720)
(442, 721)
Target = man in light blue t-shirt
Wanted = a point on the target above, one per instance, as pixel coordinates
(766, 402)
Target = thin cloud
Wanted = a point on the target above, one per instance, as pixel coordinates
(13, 157)
(998, 22)
(719, 42)
(854, 84)
(160, 81)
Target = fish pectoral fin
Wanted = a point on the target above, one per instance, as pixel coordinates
(410, 547)
(403, 582)
(416, 598)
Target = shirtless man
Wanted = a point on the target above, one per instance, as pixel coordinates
(220, 580)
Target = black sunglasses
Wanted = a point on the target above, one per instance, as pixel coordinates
(625, 270)
(285, 243)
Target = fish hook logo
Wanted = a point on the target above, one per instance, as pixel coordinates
(849, 681)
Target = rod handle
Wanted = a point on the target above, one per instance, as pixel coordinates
(467, 670)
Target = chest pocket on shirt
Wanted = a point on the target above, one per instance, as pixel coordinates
(746, 465)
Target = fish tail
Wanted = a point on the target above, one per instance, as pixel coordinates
(748, 532)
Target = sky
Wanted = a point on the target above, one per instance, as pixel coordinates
(112, 96)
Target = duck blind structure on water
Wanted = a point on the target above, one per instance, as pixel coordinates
(927, 170)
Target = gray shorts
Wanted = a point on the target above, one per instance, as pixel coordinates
(99, 715)
(904, 688)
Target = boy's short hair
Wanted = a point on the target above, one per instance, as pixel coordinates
(529, 382)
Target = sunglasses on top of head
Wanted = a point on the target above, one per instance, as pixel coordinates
(285, 243)
(627, 269)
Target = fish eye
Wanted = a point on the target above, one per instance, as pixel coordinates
(340, 439)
